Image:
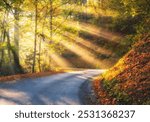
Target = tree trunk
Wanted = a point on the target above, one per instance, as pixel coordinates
(51, 26)
(3, 35)
(17, 66)
(39, 62)
(16, 30)
(51, 21)
(1, 58)
(35, 39)
(12, 69)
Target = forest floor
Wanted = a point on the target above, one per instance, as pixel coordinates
(128, 82)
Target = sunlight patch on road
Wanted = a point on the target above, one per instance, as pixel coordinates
(90, 73)
(6, 102)
(9, 95)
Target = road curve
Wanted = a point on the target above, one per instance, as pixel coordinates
(59, 89)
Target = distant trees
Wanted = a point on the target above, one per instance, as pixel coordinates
(137, 13)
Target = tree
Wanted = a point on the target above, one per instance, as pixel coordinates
(35, 38)
(16, 9)
(51, 20)
(8, 8)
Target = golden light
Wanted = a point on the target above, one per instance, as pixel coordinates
(87, 43)
(96, 31)
(100, 32)
(84, 54)
(60, 61)
(93, 9)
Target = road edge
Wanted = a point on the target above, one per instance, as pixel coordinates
(86, 93)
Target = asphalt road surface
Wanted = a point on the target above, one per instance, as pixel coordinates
(59, 89)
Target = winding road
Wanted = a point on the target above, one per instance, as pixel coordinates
(59, 89)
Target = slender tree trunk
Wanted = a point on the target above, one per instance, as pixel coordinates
(35, 39)
(2, 51)
(16, 30)
(16, 38)
(1, 58)
(51, 21)
(40, 43)
(39, 62)
(3, 35)
(51, 26)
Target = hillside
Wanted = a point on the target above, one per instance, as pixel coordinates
(128, 82)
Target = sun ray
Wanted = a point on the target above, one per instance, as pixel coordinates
(84, 54)
(97, 31)
(60, 61)
(87, 43)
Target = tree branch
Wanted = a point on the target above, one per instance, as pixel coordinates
(9, 6)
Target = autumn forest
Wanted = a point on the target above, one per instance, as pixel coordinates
(58, 35)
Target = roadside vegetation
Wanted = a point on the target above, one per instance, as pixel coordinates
(128, 82)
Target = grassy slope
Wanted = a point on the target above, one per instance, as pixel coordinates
(128, 82)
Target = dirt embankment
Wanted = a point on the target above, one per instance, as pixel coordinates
(128, 82)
